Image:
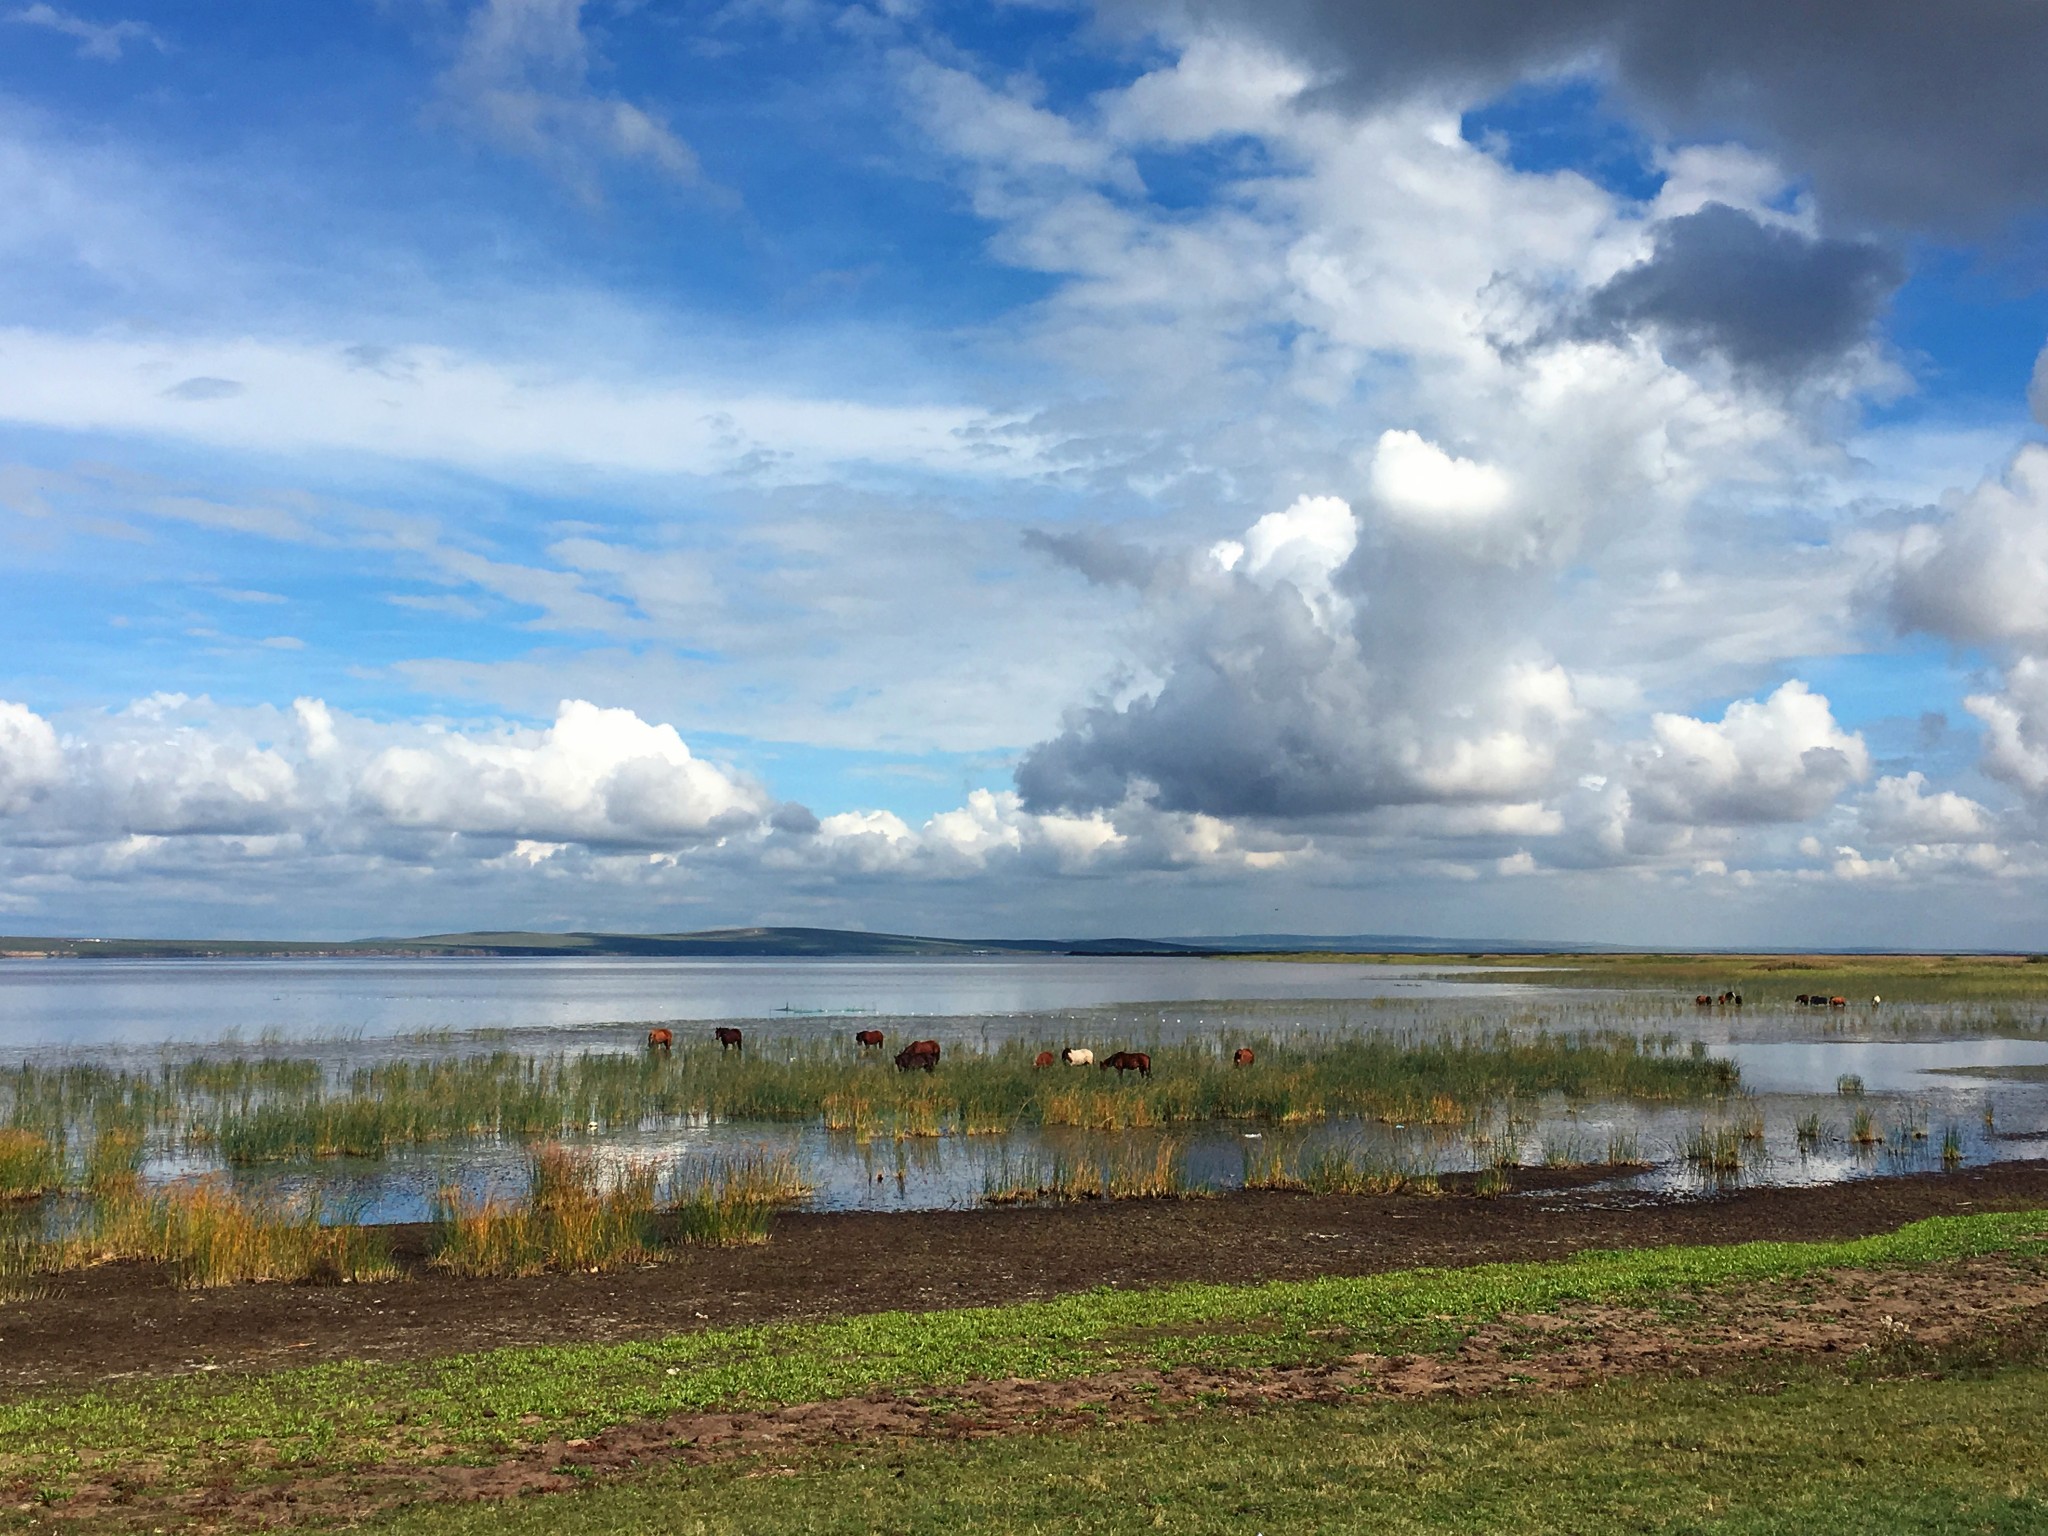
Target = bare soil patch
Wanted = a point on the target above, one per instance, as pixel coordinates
(127, 1320)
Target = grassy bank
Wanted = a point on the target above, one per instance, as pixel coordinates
(1777, 979)
(1785, 1453)
(362, 1412)
(256, 1110)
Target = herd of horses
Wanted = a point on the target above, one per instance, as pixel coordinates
(1803, 999)
(923, 1055)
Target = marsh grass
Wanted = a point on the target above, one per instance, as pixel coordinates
(257, 1110)
(1335, 1168)
(1713, 1148)
(585, 1214)
(31, 1163)
(1810, 1131)
(206, 1234)
(1863, 1129)
(1849, 1085)
(1157, 1171)
(1951, 1145)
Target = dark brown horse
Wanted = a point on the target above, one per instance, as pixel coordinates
(919, 1053)
(662, 1040)
(865, 1037)
(1129, 1061)
(1242, 1056)
(728, 1037)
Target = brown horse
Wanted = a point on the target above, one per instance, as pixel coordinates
(662, 1040)
(1704, 1001)
(919, 1053)
(1044, 1059)
(728, 1037)
(866, 1037)
(1129, 1061)
(1242, 1056)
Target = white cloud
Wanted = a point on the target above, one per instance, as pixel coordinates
(96, 40)
(597, 776)
(457, 409)
(30, 762)
(1899, 809)
(1981, 574)
(1418, 482)
(1773, 760)
(2016, 727)
(521, 78)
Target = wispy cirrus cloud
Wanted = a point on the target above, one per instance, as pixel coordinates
(104, 41)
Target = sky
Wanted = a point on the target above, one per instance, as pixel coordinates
(1032, 467)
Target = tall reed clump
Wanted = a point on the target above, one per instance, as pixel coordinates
(727, 1203)
(31, 1163)
(574, 1218)
(1863, 1130)
(1344, 1168)
(1157, 1172)
(1951, 1145)
(206, 1235)
(1713, 1148)
(1849, 1085)
(579, 1217)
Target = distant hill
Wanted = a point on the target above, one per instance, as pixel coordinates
(711, 942)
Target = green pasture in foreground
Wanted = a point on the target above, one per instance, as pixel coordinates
(1818, 1455)
(479, 1405)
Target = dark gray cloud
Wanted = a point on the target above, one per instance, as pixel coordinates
(1768, 299)
(1901, 112)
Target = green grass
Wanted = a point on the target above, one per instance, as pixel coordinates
(255, 1110)
(1815, 1455)
(1777, 979)
(482, 1404)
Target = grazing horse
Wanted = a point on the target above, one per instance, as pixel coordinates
(1704, 1001)
(728, 1037)
(1079, 1056)
(866, 1037)
(662, 1040)
(1129, 1061)
(919, 1053)
(1241, 1057)
(1044, 1059)
(1838, 1002)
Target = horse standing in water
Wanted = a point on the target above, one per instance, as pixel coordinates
(661, 1041)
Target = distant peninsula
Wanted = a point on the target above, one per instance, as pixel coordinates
(727, 942)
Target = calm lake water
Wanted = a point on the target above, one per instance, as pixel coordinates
(147, 1002)
(1915, 1061)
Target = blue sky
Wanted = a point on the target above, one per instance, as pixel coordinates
(1033, 468)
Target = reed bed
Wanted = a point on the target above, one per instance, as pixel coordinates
(31, 1163)
(1713, 1148)
(207, 1234)
(1157, 1172)
(1343, 1168)
(582, 1215)
(274, 1110)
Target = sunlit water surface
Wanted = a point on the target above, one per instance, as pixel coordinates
(1915, 1061)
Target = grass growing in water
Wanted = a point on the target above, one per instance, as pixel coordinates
(580, 1216)
(1849, 1085)
(31, 1163)
(1713, 1148)
(264, 1110)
